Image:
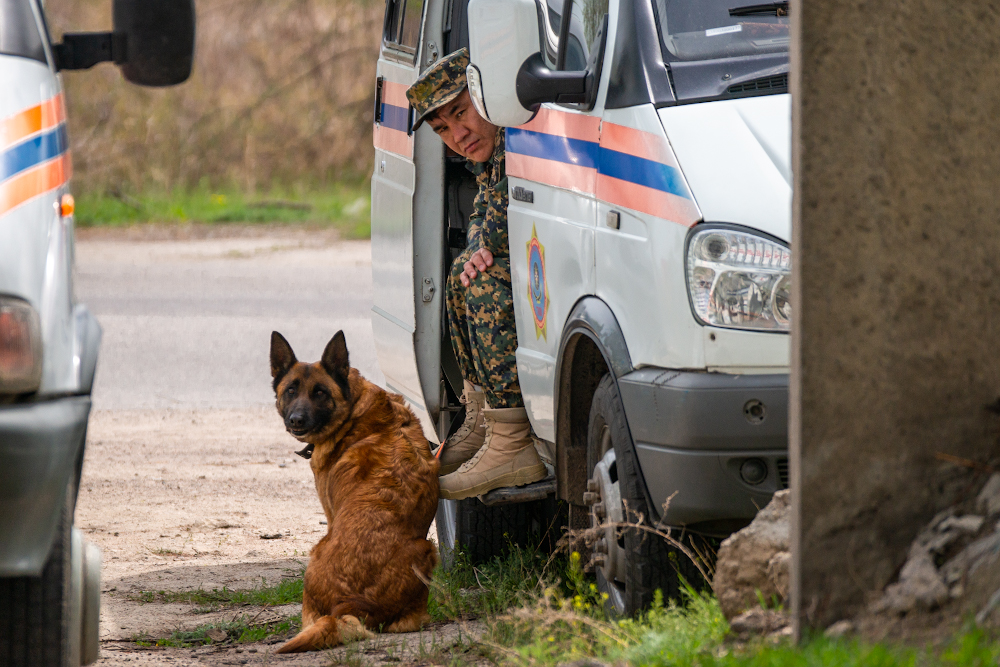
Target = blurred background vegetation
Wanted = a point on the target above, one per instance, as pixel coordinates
(278, 108)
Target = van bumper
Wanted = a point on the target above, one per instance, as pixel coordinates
(40, 447)
(694, 435)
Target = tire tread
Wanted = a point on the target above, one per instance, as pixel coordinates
(32, 632)
(651, 562)
(486, 532)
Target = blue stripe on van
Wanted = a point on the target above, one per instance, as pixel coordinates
(655, 175)
(396, 118)
(615, 164)
(34, 151)
(552, 147)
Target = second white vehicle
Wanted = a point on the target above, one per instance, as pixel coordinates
(648, 164)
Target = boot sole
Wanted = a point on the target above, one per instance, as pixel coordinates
(520, 477)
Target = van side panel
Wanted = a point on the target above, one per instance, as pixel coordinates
(408, 229)
(393, 311)
(551, 242)
(35, 169)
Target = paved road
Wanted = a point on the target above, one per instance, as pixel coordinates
(187, 323)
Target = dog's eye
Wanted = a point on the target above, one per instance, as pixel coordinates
(319, 392)
(291, 391)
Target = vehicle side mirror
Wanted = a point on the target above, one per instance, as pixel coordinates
(159, 40)
(508, 78)
(152, 42)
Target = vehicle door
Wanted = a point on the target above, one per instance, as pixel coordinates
(552, 179)
(407, 209)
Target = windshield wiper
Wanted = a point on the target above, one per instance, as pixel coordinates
(769, 9)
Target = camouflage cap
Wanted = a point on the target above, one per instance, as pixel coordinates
(440, 84)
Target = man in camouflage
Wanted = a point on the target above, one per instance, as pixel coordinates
(494, 447)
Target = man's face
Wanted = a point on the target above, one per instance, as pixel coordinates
(463, 130)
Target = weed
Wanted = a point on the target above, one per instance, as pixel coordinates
(473, 591)
(352, 656)
(165, 552)
(773, 603)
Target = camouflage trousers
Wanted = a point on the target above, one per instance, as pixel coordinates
(483, 335)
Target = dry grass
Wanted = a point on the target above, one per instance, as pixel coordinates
(281, 96)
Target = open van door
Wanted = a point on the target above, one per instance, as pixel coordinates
(407, 214)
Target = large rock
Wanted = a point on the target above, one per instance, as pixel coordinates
(759, 621)
(988, 500)
(919, 586)
(755, 559)
(922, 585)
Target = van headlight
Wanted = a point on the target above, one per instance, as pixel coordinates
(739, 280)
(20, 347)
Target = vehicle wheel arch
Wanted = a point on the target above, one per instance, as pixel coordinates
(591, 344)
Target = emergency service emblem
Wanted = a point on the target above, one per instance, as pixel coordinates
(538, 288)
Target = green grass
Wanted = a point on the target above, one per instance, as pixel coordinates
(288, 591)
(344, 206)
(242, 630)
(467, 591)
(546, 612)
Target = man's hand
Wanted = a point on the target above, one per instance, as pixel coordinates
(480, 259)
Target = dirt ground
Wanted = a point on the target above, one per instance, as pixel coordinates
(181, 498)
(184, 499)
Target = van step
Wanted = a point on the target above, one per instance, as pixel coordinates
(509, 495)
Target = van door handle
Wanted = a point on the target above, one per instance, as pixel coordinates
(614, 220)
(378, 99)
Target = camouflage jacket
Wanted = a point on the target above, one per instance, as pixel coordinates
(488, 222)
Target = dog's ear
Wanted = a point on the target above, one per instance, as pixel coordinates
(335, 361)
(282, 357)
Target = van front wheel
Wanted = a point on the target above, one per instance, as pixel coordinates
(630, 563)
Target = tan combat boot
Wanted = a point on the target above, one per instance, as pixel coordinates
(470, 436)
(507, 459)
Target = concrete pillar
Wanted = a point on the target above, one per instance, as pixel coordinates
(896, 250)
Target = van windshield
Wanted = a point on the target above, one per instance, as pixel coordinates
(712, 29)
(19, 34)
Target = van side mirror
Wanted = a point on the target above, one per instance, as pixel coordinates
(152, 42)
(508, 77)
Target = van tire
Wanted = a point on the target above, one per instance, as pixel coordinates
(34, 611)
(650, 563)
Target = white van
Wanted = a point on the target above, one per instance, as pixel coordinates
(49, 575)
(648, 165)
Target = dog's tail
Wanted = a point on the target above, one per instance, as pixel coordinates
(327, 632)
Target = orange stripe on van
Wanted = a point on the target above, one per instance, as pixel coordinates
(37, 181)
(551, 172)
(25, 123)
(395, 94)
(393, 141)
(565, 124)
(647, 200)
(638, 143)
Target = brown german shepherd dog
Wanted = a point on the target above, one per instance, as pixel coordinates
(378, 484)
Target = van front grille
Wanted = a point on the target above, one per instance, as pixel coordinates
(776, 83)
(783, 473)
